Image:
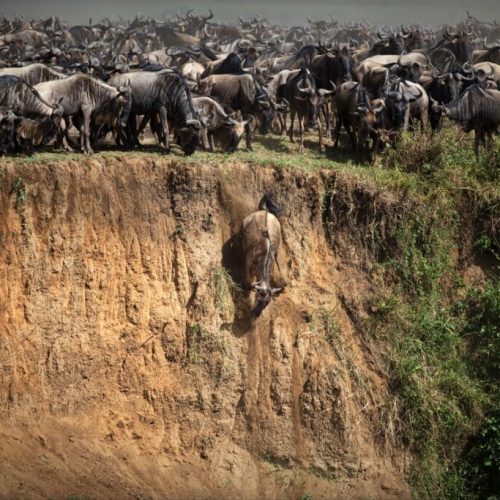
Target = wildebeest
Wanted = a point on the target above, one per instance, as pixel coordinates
(33, 132)
(261, 238)
(409, 102)
(230, 65)
(23, 99)
(301, 58)
(487, 71)
(329, 67)
(7, 130)
(442, 89)
(217, 125)
(163, 96)
(398, 98)
(351, 100)
(388, 44)
(298, 88)
(34, 73)
(477, 109)
(240, 93)
(83, 94)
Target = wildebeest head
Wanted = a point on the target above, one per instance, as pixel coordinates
(344, 64)
(123, 103)
(188, 136)
(264, 111)
(397, 103)
(263, 295)
(236, 130)
(204, 87)
(409, 71)
(308, 93)
(58, 112)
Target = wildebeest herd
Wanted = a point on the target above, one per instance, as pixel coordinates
(207, 84)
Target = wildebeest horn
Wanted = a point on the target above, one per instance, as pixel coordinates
(394, 94)
(409, 97)
(468, 30)
(258, 286)
(381, 35)
(467, 68)
(276, 291)
(448, 34)
(210, 15)
(487, 74)
(194, 123)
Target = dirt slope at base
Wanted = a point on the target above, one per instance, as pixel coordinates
(130, 368)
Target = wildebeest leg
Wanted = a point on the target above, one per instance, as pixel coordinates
(338, 126)
(321, 145)
(326, 113)
(162, 113)
(477, 142)
(301, 132)
(373, 154)
(425, 119)
(292, 119)
(282, 120)
(211, 142)
(62, 138)
(248, 131)
(130, 131)
(489, 137)
(143, 124)
(406, 122)
(207, 139)
(86, 112)
(352, 135)
(82, 137)
(157, 129)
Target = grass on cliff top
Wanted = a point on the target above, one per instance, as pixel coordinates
(420, 159)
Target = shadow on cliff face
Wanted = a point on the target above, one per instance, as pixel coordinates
(232, 261)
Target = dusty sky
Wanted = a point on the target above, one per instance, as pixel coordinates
(433, 12)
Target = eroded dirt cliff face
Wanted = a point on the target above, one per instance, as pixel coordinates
(129, 365)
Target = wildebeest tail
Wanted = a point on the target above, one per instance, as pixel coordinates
(266, 203)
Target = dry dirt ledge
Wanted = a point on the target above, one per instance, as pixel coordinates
(127, 371)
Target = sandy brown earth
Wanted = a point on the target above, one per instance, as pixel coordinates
(128, 368)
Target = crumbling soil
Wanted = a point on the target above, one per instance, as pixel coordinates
(128, 371)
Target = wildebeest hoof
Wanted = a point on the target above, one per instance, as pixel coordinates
(166, 150)
(249, 148)
(322, 149)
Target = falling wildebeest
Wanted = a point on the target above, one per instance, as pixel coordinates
(261, 236)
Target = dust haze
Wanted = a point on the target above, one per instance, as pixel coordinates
(296, 11)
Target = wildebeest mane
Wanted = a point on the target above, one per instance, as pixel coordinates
(474, 104)
(86, 85)
(17, 94)
(266, 203)
(177, 96)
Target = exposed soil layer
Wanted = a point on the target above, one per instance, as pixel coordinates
(129, 367)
